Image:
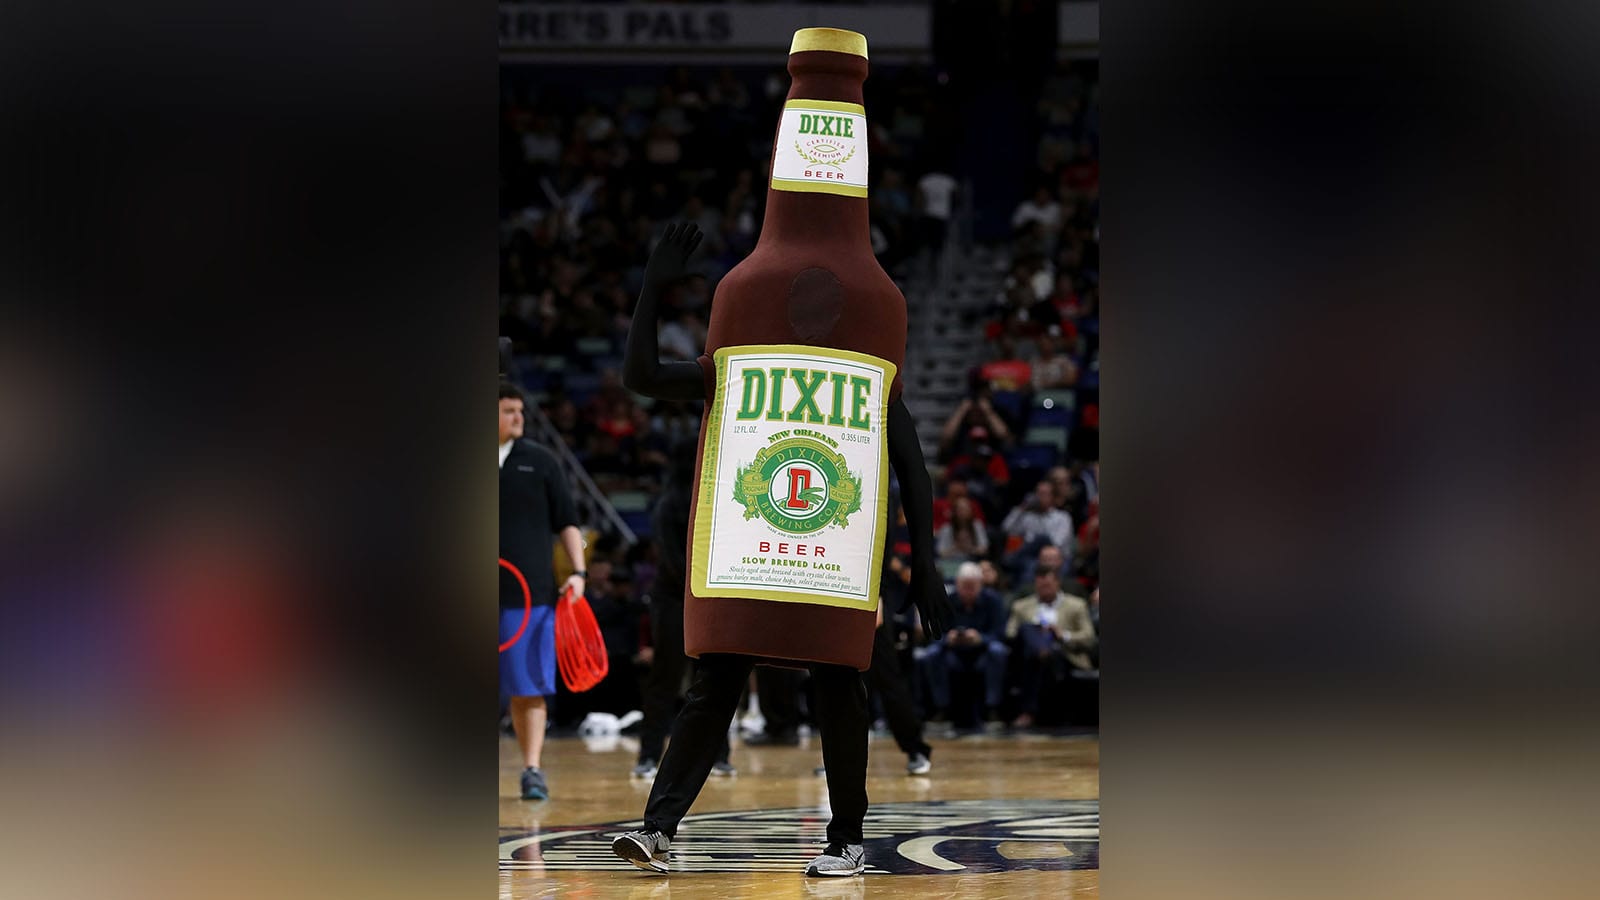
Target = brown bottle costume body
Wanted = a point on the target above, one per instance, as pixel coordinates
(811, 280)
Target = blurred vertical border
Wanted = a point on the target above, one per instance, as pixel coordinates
(246, 332)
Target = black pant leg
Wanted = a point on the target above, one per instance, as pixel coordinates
(698, 735)
(895, 694)
(665, 681)
(723, 753)
(842, 716)
(779, 690)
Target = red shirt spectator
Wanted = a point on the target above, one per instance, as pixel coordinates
(1007, 374)
(941, 506)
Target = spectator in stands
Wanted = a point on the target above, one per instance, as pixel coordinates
(993, 578)
(964, 536)
(541, 146)
(1041, 208)
(1035, 524)
(1051, 631)
(892, 209)
(662, 151)
(741, 215)
(1050, 557)
(1051, 370)
(1082, 174)
(564, 416)
(683, 335)
(973, 422)
(1007, 371)
(973, 644)
(647, 445)
(1086, 559)
(936, 198)
(955, 490)
(1070, 497)
(984, 470)
(709, 221)
(896, 578)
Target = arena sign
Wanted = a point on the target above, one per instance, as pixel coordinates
(529, 29)
(915, 838)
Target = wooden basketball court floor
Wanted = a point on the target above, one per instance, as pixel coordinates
(1000, 816)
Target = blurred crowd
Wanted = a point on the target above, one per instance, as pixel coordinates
(590, 176)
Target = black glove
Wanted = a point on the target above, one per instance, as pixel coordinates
(933, 604)
(668, 261)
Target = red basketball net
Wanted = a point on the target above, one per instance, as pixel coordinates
(580, 649)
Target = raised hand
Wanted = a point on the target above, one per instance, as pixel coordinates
(669, 260)
(642, 369)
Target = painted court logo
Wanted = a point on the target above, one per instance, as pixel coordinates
(798, 485)
(920, 838)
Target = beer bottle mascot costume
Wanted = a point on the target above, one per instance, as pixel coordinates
(803, 420)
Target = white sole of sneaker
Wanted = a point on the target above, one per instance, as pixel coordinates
(637, 854)
(812, 872)
(651, 866)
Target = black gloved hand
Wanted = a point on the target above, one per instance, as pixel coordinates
(668, 261)
(933, 604)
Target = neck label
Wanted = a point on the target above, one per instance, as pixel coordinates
(822, 148)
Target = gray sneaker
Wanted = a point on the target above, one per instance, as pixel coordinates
(533, 785)
(645, 769)
(645, 849)
(918, 765)
(839, 861)
(723, 770)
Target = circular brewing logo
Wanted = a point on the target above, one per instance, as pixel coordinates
(798, 486)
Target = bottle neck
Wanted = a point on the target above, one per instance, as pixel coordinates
(817, 191)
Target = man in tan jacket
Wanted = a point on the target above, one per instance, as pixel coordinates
(1052, 630)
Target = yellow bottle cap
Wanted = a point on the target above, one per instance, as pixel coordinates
(836, 39)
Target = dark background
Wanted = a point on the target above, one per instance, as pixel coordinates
(247, 254)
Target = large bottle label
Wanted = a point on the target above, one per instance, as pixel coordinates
(793, 485)
(822, 147)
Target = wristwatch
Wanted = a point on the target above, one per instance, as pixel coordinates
(584, 575)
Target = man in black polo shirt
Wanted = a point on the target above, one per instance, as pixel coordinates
(535, 507)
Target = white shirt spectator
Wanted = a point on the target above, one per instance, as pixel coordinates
(1049, 214)
(938, 195)
(676, 340)
(1054, 525)
(541, 148)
